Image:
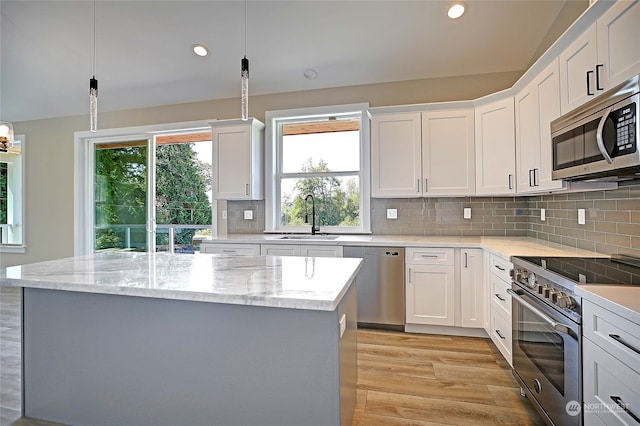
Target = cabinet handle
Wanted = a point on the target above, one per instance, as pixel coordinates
(418, 184)
(625, 407)
(510, 181)
(619, 339)
(536, 177)
(598, 67)
(409, 275)
(430, 256)
(531, 180)
(228, 251)
(466, 259)
(499, 267)
(246, 189)
(500, 298)
(500, 335)
(425, 185)
(589, 84)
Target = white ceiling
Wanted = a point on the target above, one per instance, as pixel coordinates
(144, 57)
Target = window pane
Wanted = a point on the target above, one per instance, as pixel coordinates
(333, 151)
(337, 201)
(183, 191)
(11, 228)
(121, 196)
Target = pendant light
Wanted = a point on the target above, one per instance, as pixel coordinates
(244, 73)
(6, 136)
(93, 83)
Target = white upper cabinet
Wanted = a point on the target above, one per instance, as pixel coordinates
(396, 155)
(413, 154)
(495, 148)
(603, 56)
(535, 107)
(448, 155)
(238, 156)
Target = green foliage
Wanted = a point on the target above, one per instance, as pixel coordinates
(121, 193)
(335, 205)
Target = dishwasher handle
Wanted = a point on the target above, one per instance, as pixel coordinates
(391, 253)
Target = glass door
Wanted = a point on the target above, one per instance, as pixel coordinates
(121, 187)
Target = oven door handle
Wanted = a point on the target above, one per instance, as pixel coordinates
(599, 139)
(559, 327)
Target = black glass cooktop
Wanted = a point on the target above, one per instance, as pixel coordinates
(619, 270)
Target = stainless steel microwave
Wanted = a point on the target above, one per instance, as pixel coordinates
(599, 140)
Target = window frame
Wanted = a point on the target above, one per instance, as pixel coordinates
(273, 165)
(18, 247)
(84, 166)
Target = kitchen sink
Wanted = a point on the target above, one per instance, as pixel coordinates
(308, 237)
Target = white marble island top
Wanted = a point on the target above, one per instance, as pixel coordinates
(272, 281)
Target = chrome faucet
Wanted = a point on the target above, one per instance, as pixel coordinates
(314, 229)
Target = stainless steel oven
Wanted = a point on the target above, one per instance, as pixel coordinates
(547, 326)
(546, 357)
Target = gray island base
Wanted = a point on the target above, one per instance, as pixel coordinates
(99, 358)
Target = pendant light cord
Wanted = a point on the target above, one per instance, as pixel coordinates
(94, 38)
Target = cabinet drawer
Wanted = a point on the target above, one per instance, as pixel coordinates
(500, 299)
(429, 256)
(501, 333)
(501, 267)
(613, 333)
(245, 249)
(608, 384)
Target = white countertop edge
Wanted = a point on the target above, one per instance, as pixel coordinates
(621, 300)
(191, 296)
(501, 246)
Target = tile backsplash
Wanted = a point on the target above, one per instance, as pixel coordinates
(612, 222)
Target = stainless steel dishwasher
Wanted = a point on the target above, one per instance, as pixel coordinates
(380, 286)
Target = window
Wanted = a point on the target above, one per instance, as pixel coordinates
(144, 191)
(323, 152)
(11, 198)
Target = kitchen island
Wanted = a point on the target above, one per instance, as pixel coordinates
(162, 339)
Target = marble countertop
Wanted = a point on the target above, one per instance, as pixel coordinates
(282, 282)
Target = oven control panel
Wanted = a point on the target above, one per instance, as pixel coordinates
(545, 289)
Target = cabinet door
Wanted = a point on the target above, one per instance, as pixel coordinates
(430, 295)
(321, 251)
(279, 250)
(576, 61)
(231, 155)
(448, 157)
(527, 138)
(495, 148)
(396, 154)
(548, 90)
(536, 106)
(472, 289)
(618, 32)
(238, 157)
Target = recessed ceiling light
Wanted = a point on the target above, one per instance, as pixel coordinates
(310, 74)
(200, 50)
(456, 10)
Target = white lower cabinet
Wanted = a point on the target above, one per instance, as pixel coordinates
(300, 250)
(472, 288)
(222, 248)
(441, 292)
(498, 303)
(430, 294)
(610, 367)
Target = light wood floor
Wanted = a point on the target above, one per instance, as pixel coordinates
(416, 379)
(403, 379)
